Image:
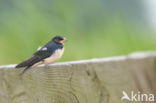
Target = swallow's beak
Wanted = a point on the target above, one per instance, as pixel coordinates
(63, 41)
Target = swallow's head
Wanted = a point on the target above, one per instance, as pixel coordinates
(59, 39)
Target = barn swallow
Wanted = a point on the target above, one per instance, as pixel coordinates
(47, 54)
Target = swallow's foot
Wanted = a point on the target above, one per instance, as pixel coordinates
(46, 65)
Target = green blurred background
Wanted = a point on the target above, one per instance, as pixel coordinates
(94, 28)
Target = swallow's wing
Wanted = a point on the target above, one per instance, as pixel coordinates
(36, 57)
(27, 62)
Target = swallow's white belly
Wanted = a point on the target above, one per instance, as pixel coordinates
(56, 55)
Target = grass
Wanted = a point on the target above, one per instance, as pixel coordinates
(91, 30)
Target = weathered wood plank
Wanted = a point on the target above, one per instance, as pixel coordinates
(87, 81)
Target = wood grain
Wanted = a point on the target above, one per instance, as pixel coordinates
(86, 81)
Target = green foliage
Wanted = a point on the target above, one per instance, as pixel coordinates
(92, 27)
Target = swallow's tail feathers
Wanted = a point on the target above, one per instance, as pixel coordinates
(25, 70)
(23, 64)
(26, 62)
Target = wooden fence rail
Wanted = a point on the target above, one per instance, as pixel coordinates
(87, 81)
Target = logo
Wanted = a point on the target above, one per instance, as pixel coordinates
(137, 97)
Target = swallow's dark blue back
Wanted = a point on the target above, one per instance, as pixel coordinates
(52, 46)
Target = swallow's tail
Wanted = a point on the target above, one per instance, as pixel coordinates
(25, 70)
(26, 63)
(23, 64)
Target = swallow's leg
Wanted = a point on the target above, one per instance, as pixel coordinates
(46, 65)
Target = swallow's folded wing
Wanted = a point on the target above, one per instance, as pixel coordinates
(37, 57)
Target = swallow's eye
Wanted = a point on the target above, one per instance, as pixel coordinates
(60, 39)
